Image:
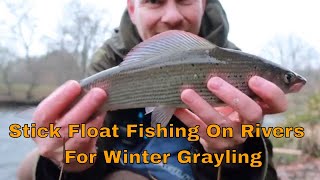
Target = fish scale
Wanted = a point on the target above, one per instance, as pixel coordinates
(165, 84)
(155, 72)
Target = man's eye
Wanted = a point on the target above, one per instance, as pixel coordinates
(151, 1)
(186, 2)
(154, 1)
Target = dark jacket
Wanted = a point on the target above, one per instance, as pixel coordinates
(215, 29)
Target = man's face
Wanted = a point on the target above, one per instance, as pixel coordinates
(155, 16)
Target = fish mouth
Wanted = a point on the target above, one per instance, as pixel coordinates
(298, 84)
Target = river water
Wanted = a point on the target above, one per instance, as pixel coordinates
(12, 150)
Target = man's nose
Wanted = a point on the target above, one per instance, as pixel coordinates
(172, 15)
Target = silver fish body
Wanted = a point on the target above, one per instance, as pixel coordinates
(153, 84)
(157, 78)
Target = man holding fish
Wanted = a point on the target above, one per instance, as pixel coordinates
(145, 19)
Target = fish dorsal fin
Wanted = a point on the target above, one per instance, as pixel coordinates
(166, 43)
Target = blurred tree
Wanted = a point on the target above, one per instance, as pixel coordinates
(292, 52)
(62, 67)
(23, 26)
(81, 31)
(6, 57)
(23, 31)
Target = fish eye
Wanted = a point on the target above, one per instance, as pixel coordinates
(288, 77)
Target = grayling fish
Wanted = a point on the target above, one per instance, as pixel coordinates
(156, 71)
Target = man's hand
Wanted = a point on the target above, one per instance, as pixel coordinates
(56, 109)
(241, 109)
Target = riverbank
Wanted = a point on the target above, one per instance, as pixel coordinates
(308, 169)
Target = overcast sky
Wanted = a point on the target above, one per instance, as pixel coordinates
(252, 22)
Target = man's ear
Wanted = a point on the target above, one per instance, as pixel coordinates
(131, 8)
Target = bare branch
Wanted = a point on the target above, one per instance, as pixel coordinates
(81, 30)
(292, 52)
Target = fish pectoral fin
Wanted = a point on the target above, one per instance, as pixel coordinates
(162, 115)
(149, 110)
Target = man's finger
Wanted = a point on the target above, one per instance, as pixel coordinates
(51, 147)
(240, 102)
(81, 112)
(85, 108)
(200, 107)
(86, 143)
(191, 120)
(225, 110)
(51, 108)
(271, 94)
